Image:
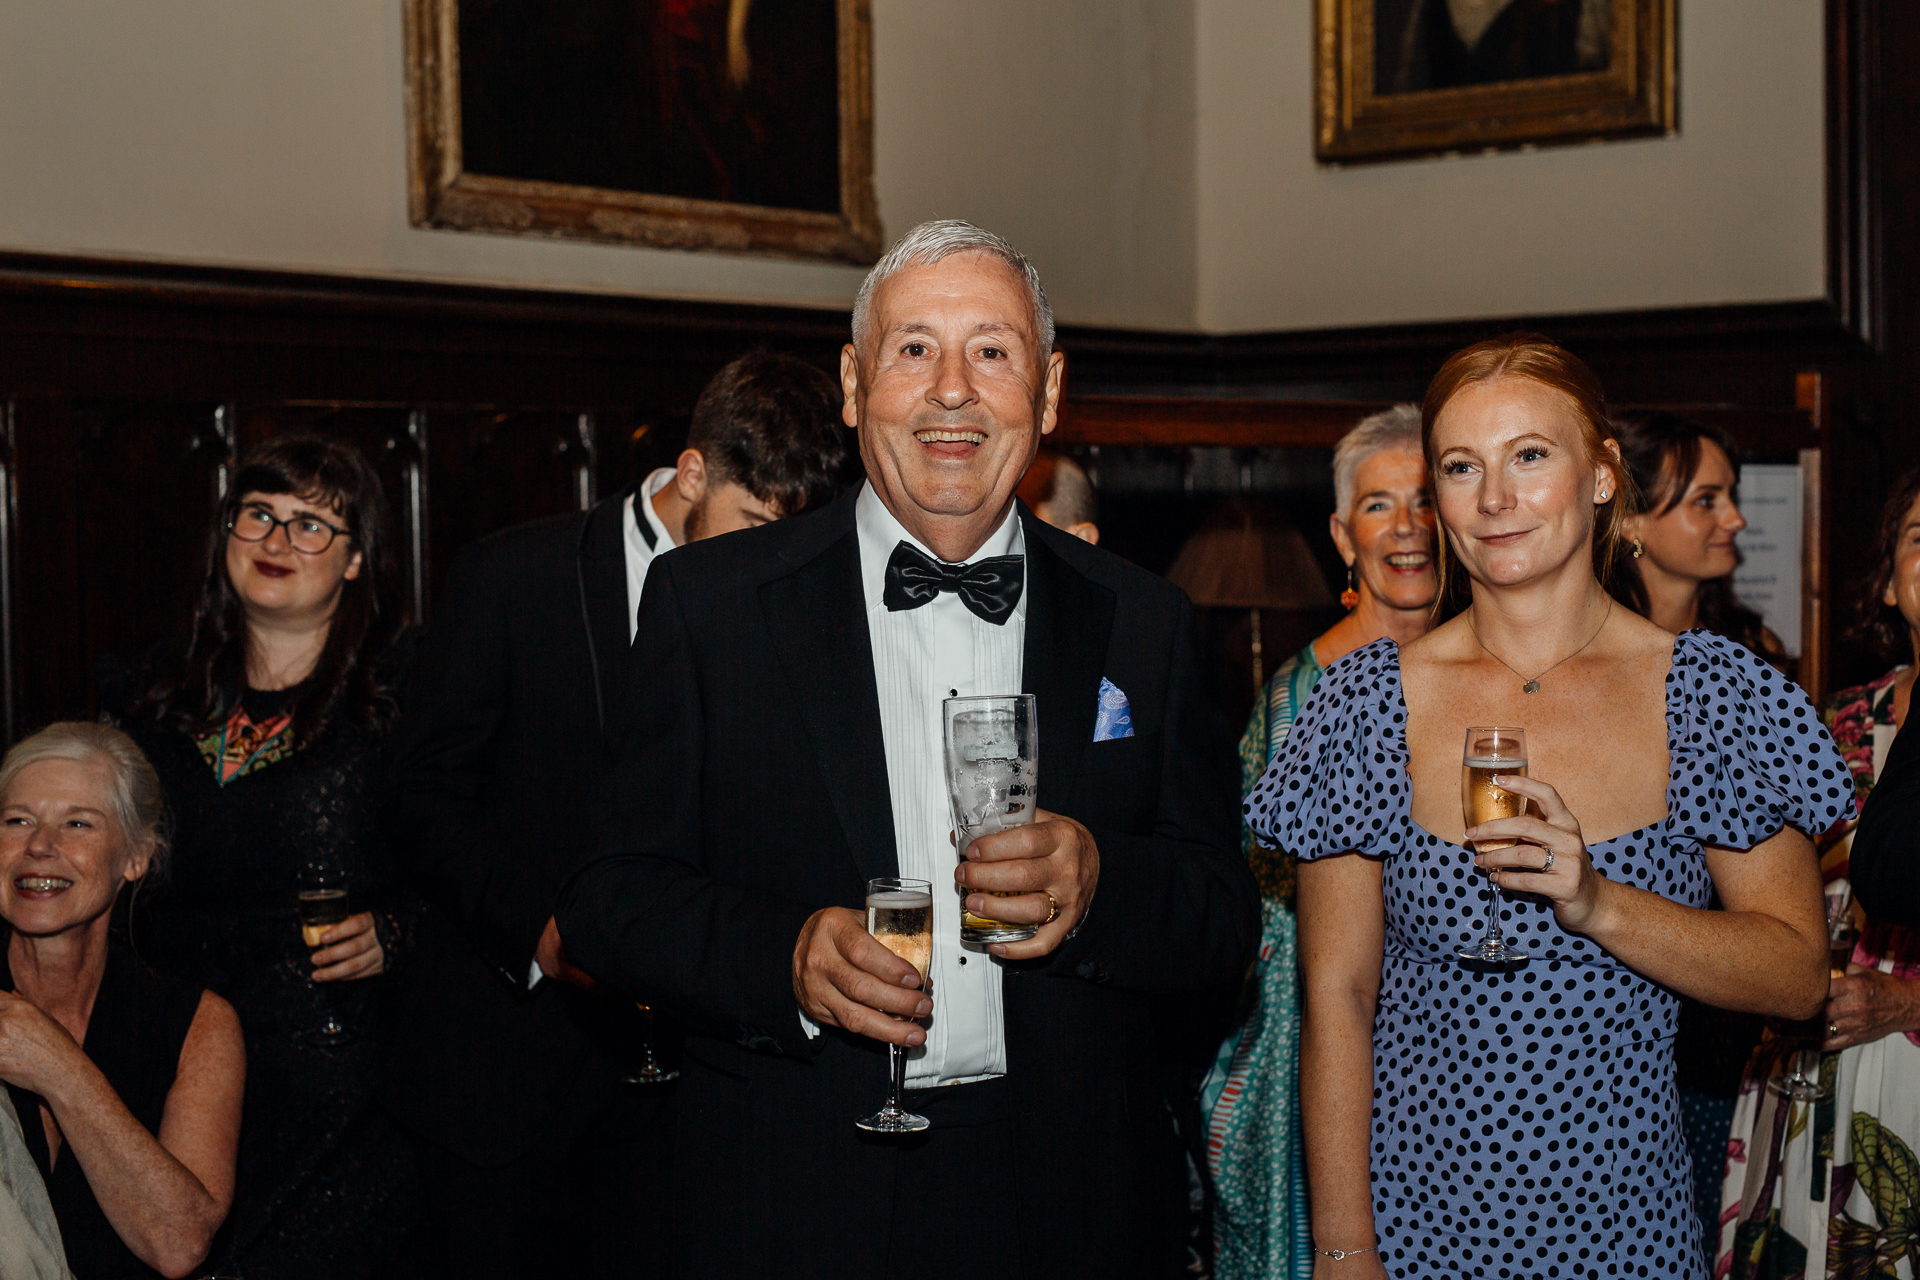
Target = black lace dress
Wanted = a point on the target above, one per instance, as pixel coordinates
(326, 1184)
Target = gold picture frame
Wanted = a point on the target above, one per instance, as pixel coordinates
(1390, 82)
(442, 192)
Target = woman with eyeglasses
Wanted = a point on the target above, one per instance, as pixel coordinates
(266, 724)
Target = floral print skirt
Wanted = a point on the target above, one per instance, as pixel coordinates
(1828, 1188)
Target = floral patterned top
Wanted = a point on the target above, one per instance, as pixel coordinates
(1861, 721)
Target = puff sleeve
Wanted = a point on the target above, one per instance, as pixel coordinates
(1339, 783)
(1749, 754)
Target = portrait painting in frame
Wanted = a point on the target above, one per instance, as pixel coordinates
(732, 125)
(1399, 78)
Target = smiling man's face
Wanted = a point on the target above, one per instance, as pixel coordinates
(950, 394)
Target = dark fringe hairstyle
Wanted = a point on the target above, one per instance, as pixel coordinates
(356, 678)
(1878, 624)
(1663, 452)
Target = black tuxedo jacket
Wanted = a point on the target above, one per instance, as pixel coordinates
(497, 751)
(751, 790)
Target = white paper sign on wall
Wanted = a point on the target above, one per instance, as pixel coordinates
(1768, 578)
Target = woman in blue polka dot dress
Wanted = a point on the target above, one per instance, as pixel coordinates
(1522, 1121)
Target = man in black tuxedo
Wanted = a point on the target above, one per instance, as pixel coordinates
(780, 747)
(537, 1160)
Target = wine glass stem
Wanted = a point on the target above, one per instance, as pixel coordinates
(897, 1064)
(1494, 941)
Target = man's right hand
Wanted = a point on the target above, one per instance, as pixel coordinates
(551, 955)
(843, 978)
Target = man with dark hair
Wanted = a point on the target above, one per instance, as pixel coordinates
(538, 1160)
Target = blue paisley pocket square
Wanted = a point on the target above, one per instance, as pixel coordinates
(1115, 717)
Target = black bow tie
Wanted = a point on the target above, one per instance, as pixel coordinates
(988, 587)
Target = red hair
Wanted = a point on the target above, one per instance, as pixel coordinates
(1541, 360)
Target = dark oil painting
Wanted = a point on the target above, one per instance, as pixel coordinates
(1421, 45)
(726, 100)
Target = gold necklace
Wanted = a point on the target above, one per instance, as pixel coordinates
(1533, 685)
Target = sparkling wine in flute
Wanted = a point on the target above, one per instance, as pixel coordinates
(1490, 753)
(992, 746)
(1483, 801)
(320, 910)
(901, 920)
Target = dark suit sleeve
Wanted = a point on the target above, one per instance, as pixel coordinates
(646, 917)
(1883, 865)
(457, 853)
(1176, 909)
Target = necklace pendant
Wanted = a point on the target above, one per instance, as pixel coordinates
(1531, 686)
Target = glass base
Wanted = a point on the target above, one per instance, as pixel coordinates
(1800, 1089)
(994, 931)
(1491, 952)
(892, 1120)
(649, 1075)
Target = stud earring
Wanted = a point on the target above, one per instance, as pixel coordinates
(1349, 598)
(1637, 548)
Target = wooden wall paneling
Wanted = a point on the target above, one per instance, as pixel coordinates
(1816, 639)
(489, 468)
(9, 519)
(116, 500)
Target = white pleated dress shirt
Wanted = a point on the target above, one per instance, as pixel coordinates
(639, 556)
(921, 656)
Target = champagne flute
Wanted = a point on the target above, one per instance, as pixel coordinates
(322, 903)
(1803, 1081)
(900, 918)
(1490, 752)
(648, 1070)
(993, 775)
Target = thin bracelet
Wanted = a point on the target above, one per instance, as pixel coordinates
(1338, 1254)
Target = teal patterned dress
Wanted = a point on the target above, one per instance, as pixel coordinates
(1251, 1098)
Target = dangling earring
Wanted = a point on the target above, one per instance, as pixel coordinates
(1637, 549)
(1349, 598)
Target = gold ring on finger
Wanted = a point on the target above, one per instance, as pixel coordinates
(1053, 908)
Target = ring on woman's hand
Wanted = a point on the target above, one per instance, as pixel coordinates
(1549, 863)
(1053, 909)
(1833, 1030)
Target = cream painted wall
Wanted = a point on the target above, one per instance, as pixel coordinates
(1153, 155)
(272, 134)
(1730, 210)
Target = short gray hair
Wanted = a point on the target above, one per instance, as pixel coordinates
(927, 244)
(1395, 428)
(135, 796)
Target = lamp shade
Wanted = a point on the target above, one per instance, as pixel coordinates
(1241, 560)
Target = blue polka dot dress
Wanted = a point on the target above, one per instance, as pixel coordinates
(1525, 1123)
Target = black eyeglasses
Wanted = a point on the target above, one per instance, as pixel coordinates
(309, 535)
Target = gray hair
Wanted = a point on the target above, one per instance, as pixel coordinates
(134, 796)
(1395, 428)
(927, 244)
